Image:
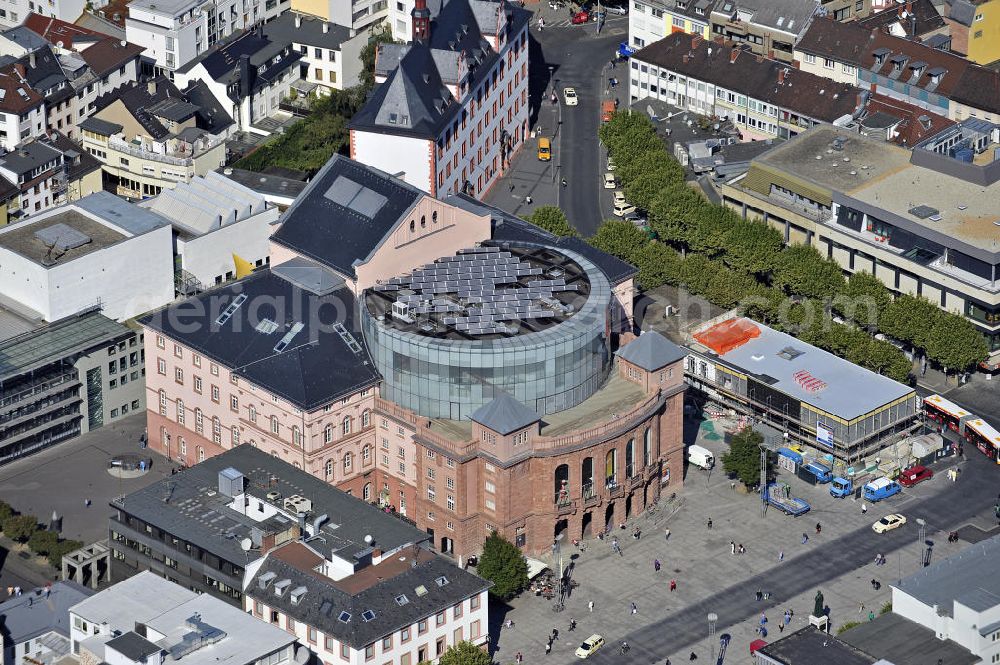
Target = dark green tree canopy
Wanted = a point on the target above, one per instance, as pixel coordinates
(552, 219)
(465, 653)
(743, 456)
(503, 564)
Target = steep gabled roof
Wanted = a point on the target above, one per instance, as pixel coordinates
(109, 54)
(56, 32)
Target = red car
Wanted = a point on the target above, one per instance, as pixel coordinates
(915, 474)
(580, 17)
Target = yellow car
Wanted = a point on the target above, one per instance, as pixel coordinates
(544, 149)
(589, 646)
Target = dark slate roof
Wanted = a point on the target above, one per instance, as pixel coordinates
(133, 646)
(504, 415)
(198, 513)
(29, 156)
(344, 214)
(222, 62)
(804, 93)
(809, 646)
(31, 615)
(899, 640)
(413, 100)
(651, 351)
(926, 14)
(265, 183)
(283, 30)
(78, 161)
(317, 366)
(706, 7)
(791, 16)
(138, 99)
(325, 600)
(98, 126)
(109, 54)
(979, 88)
(962, 11)
(509, 227)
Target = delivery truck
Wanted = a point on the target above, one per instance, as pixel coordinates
(880, 488)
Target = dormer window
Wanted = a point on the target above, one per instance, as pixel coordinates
(682, 4)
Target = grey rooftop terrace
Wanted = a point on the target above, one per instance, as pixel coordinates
(970, 578)
(189, 506)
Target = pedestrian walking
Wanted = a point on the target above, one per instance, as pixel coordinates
(666, 534)
(548, 648)
(732, 546)
(572, 625)
(564, 182)
(873, 583)
(527, 199)
(861, 607)
(555, 634)
(788, 617)
(741, 549)
(635, 610)
(656, 565)
(86, 503)
(759, 595)
(10, 591)
(819, 528)
(709, 522)
(781, 628)
(805, 538)
(864, 509)
(781, 555)
(732, 485)
(871, 615)
(17, 592)
(590, 606)
(673, 585)
(48, 589)
(519, 657)
(878, 585)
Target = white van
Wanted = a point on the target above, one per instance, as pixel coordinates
(701, 457)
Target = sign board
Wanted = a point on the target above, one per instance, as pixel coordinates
(824, 435)
(665, 475)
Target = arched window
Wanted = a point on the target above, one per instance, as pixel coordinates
(328, 434)
(647, 447)
(163, 402)
(201, 454)
(366, 493)
(434, 217)
(296, 436)
(348, 462)
(252, 413)
(423, 222)
(328, 469)
(366, 455)
(275, 427)
(413, 226)
(630, 458)
(345, 426)
(366, 418)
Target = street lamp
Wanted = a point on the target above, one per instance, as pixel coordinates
(557, 554)
(921, 538)
(712, 618)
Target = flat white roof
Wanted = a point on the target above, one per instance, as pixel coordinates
(165, 607)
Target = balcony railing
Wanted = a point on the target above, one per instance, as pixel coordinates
(129, 148)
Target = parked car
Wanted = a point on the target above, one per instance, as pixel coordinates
(589, 646)
(621, 10)
(611, 164)
(914, 475)
(569, 94)
(888, 523)
(609, 181)
(622, 208)
(580, 17)
(619, 196)
(544, 149)
(638, 218)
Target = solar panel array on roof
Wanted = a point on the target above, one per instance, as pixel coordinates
(355, 196)
(481, 291)
(62, 237)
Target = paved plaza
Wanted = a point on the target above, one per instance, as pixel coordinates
(839, 562)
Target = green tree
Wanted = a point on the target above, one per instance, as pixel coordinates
(707, 229)
(671, 211)
(955, 343)
(378, 35)
(863, 300)
(697, 271)
(752, 247)
(62, 548)
(552, 219)
(657, 264)
(465, 653)
(5, 511)
(727, 287)
(619, 238)
(41, 542)
(20, 527)
(504, 565)
(743, 456)
(909, 319)
(801, 270)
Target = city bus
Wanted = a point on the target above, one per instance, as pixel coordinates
(983, 436)
(945, 413)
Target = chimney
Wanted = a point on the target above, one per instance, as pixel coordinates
(781, 76)
(245, 75)
(326, 27)
(151, 86)
(735, 53)
(421, 22)
(298, 20)
(695, 41)
(31, 59)
(686, 58)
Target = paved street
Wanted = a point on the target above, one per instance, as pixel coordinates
(710, 579)
(565, 55)
(60, 478)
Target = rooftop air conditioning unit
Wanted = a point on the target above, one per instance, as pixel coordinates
(298, 504)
